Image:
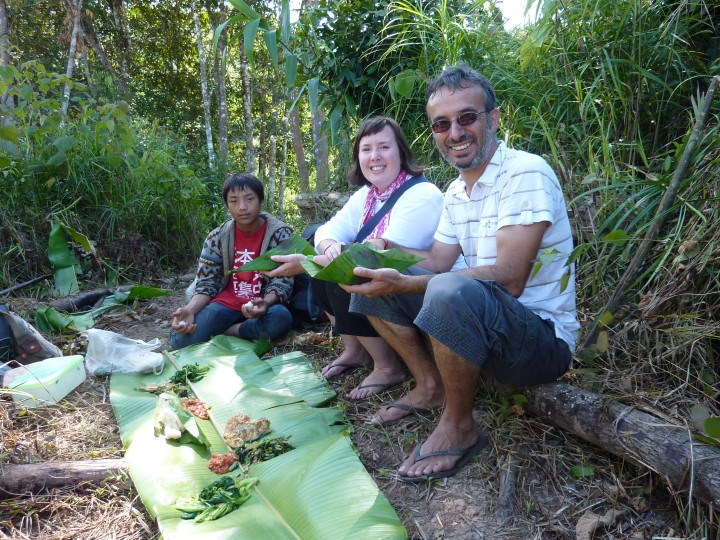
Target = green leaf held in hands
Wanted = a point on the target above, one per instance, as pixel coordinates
(289, 246)
(340, 270)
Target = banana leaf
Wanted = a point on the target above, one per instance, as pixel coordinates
(318, 490)
(289, 246)
(340, 270)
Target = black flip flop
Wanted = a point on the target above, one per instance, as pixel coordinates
(466, 453)
(410, 411)
(349, 368)
(384, 387)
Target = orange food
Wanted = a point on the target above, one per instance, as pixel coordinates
(197, 407)
(221, 463)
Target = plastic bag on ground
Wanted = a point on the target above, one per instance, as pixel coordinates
(109, 352)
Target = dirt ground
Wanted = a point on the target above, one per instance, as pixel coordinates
(521, 487)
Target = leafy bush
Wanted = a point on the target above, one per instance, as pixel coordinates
(121, 180)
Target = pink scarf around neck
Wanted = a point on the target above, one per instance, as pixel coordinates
(372, 199)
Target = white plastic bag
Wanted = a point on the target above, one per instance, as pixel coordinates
(109, 352)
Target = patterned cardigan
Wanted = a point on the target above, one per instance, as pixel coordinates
(217, 257)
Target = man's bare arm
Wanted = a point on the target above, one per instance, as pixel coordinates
(440, 258)
(517, 248)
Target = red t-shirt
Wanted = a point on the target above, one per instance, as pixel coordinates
(244, 286)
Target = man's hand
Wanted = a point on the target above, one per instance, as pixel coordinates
(290, 265)
(387, 281)
(183, 321)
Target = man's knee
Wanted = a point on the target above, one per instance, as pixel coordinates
(450, 290)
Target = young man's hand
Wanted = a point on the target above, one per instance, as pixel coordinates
(183, 321)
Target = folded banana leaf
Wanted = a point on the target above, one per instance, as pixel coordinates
(340, 270)
(289, 246)
(320, 490)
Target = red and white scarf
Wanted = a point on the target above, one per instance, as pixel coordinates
(372, 199)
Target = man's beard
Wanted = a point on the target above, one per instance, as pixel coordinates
(481, 157)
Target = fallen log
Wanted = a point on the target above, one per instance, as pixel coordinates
(72, 304)
(668, 449)
(17, 480)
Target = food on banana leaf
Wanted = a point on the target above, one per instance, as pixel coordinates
(173, 422)
(289, 246)
(241, 429)
(247, 454)
(180, 390)
(189, 373)
(216, 499)
(340, 270)
(222, 463)
(196, 407)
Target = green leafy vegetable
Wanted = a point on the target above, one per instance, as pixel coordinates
(217, 499)
(191, 372)
(340, 270)
(248, 454)
(289, 246)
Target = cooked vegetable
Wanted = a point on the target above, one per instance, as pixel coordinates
(247, 454)
(217, 499)
(180, 390)
(189, 373)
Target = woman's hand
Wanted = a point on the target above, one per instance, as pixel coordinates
(290, 265)
(331, 251)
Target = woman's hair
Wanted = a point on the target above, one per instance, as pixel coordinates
(241, 182)
(371, 126)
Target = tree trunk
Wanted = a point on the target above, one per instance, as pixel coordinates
(122, 41)
(297, 142)
(204, 88)
(77, 8)
(262, 157)
(272, 171)
(18, 480)
(664, 447)
(320, 147)
(4, 34)
(222, 98)
(283, 173)
(247, 113)
(5, 53)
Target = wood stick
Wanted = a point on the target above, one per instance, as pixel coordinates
(658, 444)
(17, 480)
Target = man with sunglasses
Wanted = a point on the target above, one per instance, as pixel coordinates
(507, 316)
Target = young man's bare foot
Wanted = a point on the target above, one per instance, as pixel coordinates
(345, 363)
(379, 381)
(413, 403)
(445, 451)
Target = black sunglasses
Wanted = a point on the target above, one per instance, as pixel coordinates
(463, 119)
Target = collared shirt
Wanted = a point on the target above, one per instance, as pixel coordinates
(517, 188)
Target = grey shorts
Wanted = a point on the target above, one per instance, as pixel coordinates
(482, 322)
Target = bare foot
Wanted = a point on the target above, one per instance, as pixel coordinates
(379, 381)
(450, 443)
(347, 361)
(412, 403)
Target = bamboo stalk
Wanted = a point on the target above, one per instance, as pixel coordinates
(618, 296)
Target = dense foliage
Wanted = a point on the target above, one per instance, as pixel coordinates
(129, 185)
